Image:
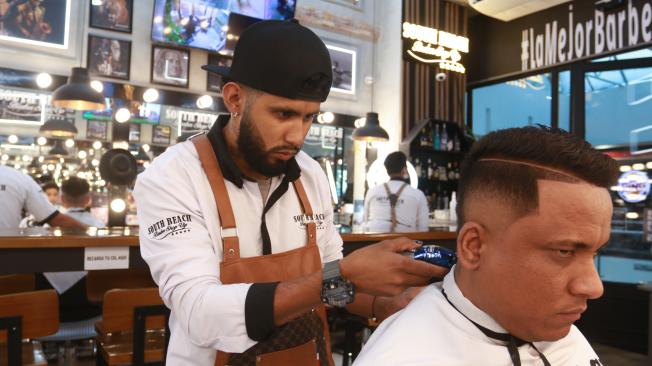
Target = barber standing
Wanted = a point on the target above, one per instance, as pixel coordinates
(395, 205)
(18, 192)
(236, 225)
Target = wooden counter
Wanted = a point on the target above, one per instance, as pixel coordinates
(50, 250)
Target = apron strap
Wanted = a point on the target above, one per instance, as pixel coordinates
(393, 200)
(307, 210)
(228, 230)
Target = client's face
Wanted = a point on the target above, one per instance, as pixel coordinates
(539, 272)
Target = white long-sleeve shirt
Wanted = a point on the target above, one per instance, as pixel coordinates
(411, 209)
(19, 191)
(180, 241)
(429, 331)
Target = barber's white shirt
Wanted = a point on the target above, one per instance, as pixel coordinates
(411, 209)
(19, 191)
(429, 331)
(180, 241)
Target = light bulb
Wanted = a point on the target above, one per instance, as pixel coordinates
(41, 141)
(122, 115)
(145, 147)
(12, 139)
(82, 154)
(43, 80)
(70, 143)
(97, 145)
(118, 205)
(150, 95)
(97, 85)
(205, 101)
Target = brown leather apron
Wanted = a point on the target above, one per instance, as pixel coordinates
(302, 341)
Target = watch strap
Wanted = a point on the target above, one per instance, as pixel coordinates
(331, 270)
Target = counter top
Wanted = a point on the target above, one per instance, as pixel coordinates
(128, 236)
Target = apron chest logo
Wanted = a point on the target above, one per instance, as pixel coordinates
(169, 226)
(318, 219)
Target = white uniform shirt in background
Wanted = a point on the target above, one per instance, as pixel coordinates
(180, 241)
(19, 191)
(411, 209)
(62, 281)
(429, 331)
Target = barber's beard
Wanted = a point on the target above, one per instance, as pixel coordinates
(251, 146)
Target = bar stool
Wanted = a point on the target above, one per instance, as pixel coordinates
(26, 315)
(14, 283)
(133, 329)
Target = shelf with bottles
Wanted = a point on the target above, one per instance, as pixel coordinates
(441, 137)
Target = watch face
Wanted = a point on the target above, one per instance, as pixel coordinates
(337, 292)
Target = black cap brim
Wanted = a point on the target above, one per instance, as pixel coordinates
(220, 70)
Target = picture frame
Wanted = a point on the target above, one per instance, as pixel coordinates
(161, 135)
(214, 81)
(114, 15)
(170, 66)
(52, 29)
(109, 57)
(344, 66)
(134, 132)
(96, 129)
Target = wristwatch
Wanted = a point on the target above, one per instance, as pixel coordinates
(336, 290)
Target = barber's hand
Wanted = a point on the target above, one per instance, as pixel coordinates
(385, 306)
(380, 269)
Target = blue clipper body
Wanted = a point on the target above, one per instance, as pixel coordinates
(434, 255)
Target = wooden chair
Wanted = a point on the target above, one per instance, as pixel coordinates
(133, 329)
(22, 316)
(99, 282)
(14, 283)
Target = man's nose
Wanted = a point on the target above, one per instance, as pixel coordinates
(587, 282)
(296, 133)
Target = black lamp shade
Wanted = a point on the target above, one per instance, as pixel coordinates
(58, 128)
(371, 131)
(77, 93)
(58, 149)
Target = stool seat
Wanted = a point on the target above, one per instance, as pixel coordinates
(74, 331)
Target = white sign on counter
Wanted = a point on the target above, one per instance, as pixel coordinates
(106, 258)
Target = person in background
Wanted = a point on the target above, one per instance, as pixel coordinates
(76, 199)
(18, 192)
(534, 209)
(395, 205)
(51, 190)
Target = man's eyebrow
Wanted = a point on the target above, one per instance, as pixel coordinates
(574, 244)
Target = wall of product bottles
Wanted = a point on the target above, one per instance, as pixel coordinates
(436, 156)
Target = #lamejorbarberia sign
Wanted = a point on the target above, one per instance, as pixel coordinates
(586, 31)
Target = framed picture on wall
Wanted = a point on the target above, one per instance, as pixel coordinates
(96, 130)
(134, 132)
(170, 66)
(43, 23)
(214, 81)
(115, 15)
(343, 62)
(109, 57)
(161, 135)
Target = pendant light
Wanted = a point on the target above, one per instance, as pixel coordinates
(58, 128)
(371, 131)
(58, 149)
(78, 94)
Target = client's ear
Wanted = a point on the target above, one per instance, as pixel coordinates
(470, 243)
